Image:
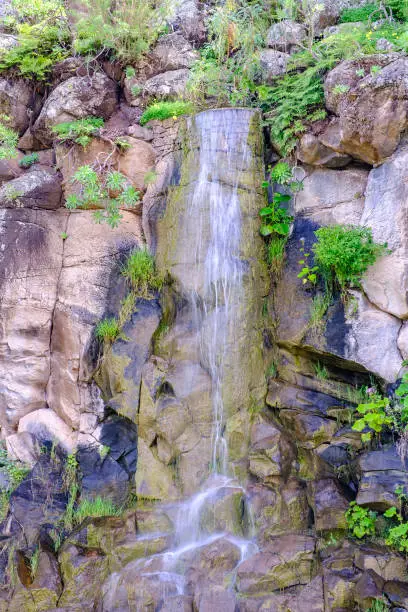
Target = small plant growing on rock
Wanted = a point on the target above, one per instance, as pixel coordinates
(28, 160)
(8, 142)
(360, 521)
(80, 131)
(165, 110)
(111, 191)
(96, 508)
(344, 254)
(107, 330)
(140, 271)
(373, 417)
(340, 89)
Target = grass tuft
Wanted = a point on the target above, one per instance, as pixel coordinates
(165, 110)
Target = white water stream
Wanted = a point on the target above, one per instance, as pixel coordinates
(215, 206)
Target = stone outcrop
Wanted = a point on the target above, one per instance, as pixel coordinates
(76, 98)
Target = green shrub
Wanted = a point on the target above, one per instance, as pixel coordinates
(40, 47)
(165, 110)
(95, 508)
(373, 416)
(361, 13)
(16, 473)
(107, 330)
(399, 9)
(28, 160)
(8, 142)
(111, 191)
(140, 271)
(35, 11)
(80, 131)
(229, 63)
(292, 102)
(127, 28)
(344, 253)
(360, 521)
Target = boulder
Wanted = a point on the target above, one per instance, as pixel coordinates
(137, 161)
(46, 426)
(367, 104)
(38, 503)
(83, 572)
(329, 504)
(397, 593)
(7, 42)
(23, 447)
(172, 52)
(273, 63)
(92, 253)
(43, 592)
(186, 16)
(403, 341)
(311, 151)
(35, 189)
(386, 280)
(381, 472)
(17, 102)
(120, 374)
(286, 36)
(31, 261)
(285, 562)
(366, 325)
(170, 84)
(383, 562)
(333, 197)
(76, 98)
(338, 591)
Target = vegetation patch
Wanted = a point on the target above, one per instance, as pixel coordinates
(343, 254)
(360, 13)
(141, 273)
(8, 142)
(95, 508)
(107, 330)
(80, 131)
(29, 160)
(126, 29)
(111, 191)
(165, 110)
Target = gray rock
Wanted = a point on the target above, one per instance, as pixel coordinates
(18, 102)
(365, 104)
(385, 283)
(333, 197)
(172, 52)
(7, 42)
(273, 63)
(185, 15)
(23, 447)
(76, 98)
(286, 36)
(171, 84)
(381, 472)
(34, 189)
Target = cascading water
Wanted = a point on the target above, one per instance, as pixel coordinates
(214, 273)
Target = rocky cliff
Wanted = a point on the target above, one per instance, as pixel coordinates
(238, 508)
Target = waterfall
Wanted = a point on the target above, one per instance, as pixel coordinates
(216, 204)
(209, 243)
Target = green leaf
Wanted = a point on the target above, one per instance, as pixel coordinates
(359, 425)
(281, 228)
(391, 512)
(266, 230)
(266, 211)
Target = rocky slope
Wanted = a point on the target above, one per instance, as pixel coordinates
(291, 444)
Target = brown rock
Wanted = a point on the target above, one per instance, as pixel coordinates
(287, 561)
(381, 472)
(311, 151)
(137, 161)
(365, 108)
(17, 102)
